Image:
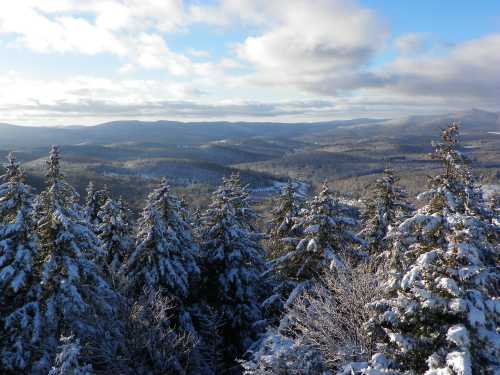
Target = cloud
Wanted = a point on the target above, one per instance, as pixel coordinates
(316, 51)
(301, 44)
(469, 70)
(90, 100)
(412, 43)
(198, 53)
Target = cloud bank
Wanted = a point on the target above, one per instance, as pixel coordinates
(295, 59)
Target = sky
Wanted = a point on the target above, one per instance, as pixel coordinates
(81, 62)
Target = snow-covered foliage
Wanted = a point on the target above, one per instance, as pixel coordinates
(283, 230)
(232, 261)
(153, 346)
(115, 235)
(240, 200)
(17, 246)
(73, 294)
(327, 240)
(331, 315)
(19, 314)
(68, 360)
(164, 258)
(423, 299)
(386, 206)
(94, 201)
(443, 316)
(280, 354)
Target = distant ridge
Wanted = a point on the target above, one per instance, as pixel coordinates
(176, 132)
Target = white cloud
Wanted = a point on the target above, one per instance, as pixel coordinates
(311, 50)
(198, 53)
(412, 43)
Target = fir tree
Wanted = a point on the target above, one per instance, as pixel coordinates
(19, 314)
(73, 297)
(232, 261)
(384, 209)
(443, 316)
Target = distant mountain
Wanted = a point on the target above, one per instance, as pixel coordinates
(161, 132)
(197, 133)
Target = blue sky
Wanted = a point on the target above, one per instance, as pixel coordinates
(89, 61)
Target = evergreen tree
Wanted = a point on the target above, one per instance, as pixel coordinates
(115, 235)
(327, 240)
(282, 354)
(443, 316)
(19, 314)
(232, 261)
(73, 297)
(94, 201)
(283, 230)
(386, 207)
(240, 200)
(68, 359)
(165, 255)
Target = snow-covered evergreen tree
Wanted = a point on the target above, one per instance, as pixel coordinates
(384, 208)
(19, 314)
(17, 246)
(94, 201)
(115, 235)
(283, 230)
(74, 297)
(232, 261)
(443, 315)
(281, 354)
(164, 258)
(327, 239)
(68, 360)
(240, 200)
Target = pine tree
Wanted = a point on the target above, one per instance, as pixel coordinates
(232, 261)
(386, 207)
(19, 314)
(115, 235)
(74, 297)
(283, 229)
(443, 316)
(165, 255)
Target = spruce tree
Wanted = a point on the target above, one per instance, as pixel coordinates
(442, 317)
(68, 361)
(164, 258)
(232, 261)
(284, 230)
(386, 206)
(114, 233)
(94, 201)
(240, 200)
(74, 297)
(327, 240)
(19, 312)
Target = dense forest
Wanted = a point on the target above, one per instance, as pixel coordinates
(407, 286)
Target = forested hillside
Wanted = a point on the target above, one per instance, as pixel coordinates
(385, 282)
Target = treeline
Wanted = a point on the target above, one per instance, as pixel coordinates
(84, 290)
